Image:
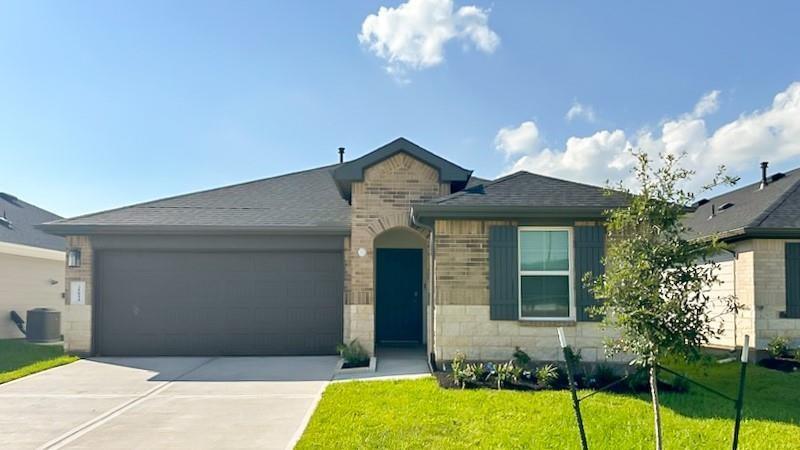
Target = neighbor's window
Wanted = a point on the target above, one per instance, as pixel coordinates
(544, 271)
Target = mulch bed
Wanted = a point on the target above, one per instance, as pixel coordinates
(356, 365)
(782, 364)
(445, 380)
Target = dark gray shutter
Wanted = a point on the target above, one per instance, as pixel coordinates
(589, 247)
(503, 273)
(792, 261)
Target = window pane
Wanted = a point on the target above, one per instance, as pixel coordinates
(545, 296)
(544, 250)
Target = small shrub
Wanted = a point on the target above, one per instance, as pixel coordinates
(459, 369)
(778, 347)
(547, 375)
(521, 359)
(639, 381)
(603, 375)
(506, 372)
(353, 353)
(797, 353)
(477, 372)
(573, 357)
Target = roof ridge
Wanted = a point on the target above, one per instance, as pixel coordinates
(406, 140)
(753, 184)
(173, 197)
(775, 205)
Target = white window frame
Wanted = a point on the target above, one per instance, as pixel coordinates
(570, 273)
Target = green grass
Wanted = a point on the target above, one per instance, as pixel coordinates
(419, 414)
(19, 358)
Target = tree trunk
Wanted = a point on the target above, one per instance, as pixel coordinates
(656, 405)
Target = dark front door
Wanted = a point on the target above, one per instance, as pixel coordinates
(398, 304)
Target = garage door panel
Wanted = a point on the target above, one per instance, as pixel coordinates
(244, 303)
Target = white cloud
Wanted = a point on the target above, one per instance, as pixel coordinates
(708, 104)
(523, 138)
(413, 35)
(580, 111)
(771, 134)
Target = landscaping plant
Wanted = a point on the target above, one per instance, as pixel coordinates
(603, 375)
(459, 369)
(353, 353)
(654, 289)
(547, 375)
(477, 372)
(521, 359)
(778, 347)
(505, 373)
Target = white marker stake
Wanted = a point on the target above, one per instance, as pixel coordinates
(746, 348)
(561, 339)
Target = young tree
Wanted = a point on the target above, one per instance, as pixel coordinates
(654, 290)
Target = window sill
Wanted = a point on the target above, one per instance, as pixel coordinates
(547, 323)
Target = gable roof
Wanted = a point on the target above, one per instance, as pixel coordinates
(773, 211)
(306, 200)
(524, 194)
(18, 220)
(353, 170)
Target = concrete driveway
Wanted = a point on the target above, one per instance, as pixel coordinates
(148, 403)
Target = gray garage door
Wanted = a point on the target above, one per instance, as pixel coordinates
(218, 303)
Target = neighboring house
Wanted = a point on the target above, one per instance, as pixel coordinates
(31, 263)
(761, 222)
(397, 246)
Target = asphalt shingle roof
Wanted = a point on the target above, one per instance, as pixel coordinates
(776, 206)
(21, 218)
(525, 189)
(302, 199)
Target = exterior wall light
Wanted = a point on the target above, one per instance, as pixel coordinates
(362, 252)
(74, 258)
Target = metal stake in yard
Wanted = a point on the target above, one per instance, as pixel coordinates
(575, 402)
(740, 397)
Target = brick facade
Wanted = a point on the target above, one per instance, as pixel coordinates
(77, 319)
(770, 293)
(380, 202)
(461, 314)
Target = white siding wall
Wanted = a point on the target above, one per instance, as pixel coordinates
(25, 274)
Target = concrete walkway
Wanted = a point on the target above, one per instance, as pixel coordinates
(152, 403)
(394, 363)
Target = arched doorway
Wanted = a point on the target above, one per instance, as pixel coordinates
(399, 286)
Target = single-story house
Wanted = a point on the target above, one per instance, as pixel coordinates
(31, 263)
(761, 224)
(396, 246)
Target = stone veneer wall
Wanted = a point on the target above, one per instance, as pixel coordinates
(76, 321)
(461, 314)
(380, 202)
(770, 292)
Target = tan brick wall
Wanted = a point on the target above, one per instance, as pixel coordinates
(736, 279)
(770, 292)
(380, 202)
(77, 319)
(461, 315)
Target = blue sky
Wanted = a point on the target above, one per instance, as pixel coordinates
(104, 104)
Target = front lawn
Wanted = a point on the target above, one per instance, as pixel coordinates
(19, 358)
(419, 414)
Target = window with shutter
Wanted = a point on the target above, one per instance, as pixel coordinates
(545, 273)
(503, 273)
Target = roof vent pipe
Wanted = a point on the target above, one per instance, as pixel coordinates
(341, 155)
(764, 174)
